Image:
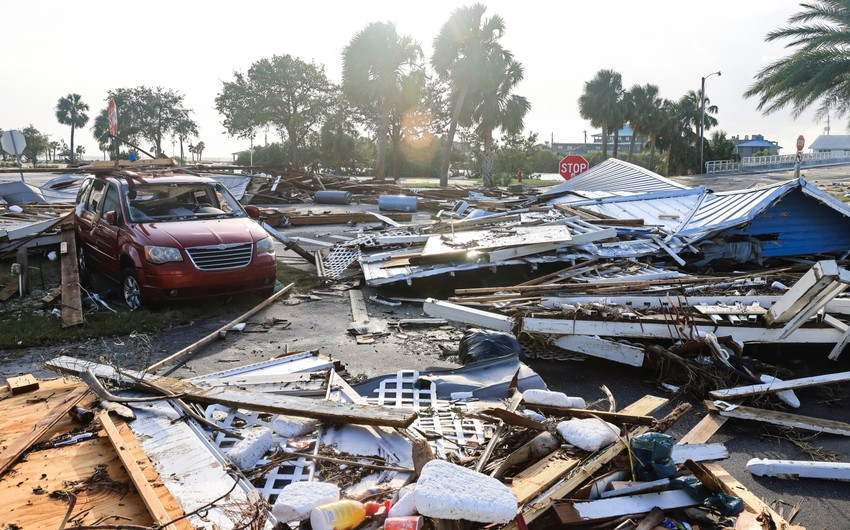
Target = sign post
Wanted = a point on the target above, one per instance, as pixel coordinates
(14, 143)
(112, 116)
(572, 165)
(801, 142)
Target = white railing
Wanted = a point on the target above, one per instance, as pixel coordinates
(775, 161)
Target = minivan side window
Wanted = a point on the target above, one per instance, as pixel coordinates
(84, 190)
(96, 197)
(110, 203)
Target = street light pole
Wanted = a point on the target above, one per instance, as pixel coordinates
(702, 121)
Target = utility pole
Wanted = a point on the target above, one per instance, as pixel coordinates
(702, 121)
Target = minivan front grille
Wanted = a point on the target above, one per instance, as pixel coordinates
(221, 257)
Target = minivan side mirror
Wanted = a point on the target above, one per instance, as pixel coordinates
(252, 211)
(110, 217)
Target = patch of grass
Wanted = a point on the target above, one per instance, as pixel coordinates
(25, 322)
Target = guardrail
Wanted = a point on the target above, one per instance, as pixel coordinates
(775, 162)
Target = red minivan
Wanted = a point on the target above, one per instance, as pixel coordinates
(171, 236)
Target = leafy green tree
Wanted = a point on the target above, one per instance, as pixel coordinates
(144, 115)
(817, 70)
(722, 148)
(466, 44)
(71, 110)
(382, 76)
(37, 143)
(600, 103)
(282, 92)
(644, 102)
(338, 139)
(496, 106)
(516, 153)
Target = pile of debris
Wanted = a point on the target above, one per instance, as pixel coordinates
(289, 439)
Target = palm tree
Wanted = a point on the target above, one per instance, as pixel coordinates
(819, 68)
(53, 146)
(498, 107)
(600, 103)
(199, 149)
(643, 102)
(378, 67)
(71, 110)
(184, 130)
(466, 43)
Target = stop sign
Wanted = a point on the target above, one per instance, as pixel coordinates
(572, 165)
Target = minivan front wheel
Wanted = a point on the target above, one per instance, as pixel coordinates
(131, 288)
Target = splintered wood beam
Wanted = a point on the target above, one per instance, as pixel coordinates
(778, 386)
(72, 303)
(22, 443)
(813, 291)
(215, 335)
(140, 482)
(704, 430)
(326, 411)
(782, 419)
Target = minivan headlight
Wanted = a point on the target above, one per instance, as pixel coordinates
(265, 246)
(162, 254)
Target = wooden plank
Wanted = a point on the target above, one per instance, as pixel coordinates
(215, 335)
(72, 303)
(321, 410)
(9, 291)
(765, 467)
(823, 282)
(22, 443)
(783, 419)
(730, 310)
(91, 468)
(602, 348)
(778, 386)
(704, 430)
(574, 513)
(717, 480)
(467, 315)
(533, 480)
(21, 384)
(618, 418)
(143, 487)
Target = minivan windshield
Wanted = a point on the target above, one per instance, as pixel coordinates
(180, 202)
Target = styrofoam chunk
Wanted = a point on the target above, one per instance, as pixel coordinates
(533, 415)
(449, 491)
(250, 449)
(590, 434)
(291, 426)
(548, 398)
(787, 396)
(403, 506)
(297, 499)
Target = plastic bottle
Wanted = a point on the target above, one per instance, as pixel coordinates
(345, 514)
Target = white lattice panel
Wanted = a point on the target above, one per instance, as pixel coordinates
(339, 259)
(436, 416)
(294, 470)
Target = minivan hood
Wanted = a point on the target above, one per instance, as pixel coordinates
(200, 233)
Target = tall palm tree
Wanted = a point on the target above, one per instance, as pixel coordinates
(466, 43)
(184, 129)
(643, 102)
(817, 69)
(199, 148)
(600, 103)
(498, 107)
(378, 67)
(71, 110)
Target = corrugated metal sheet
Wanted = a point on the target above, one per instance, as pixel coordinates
(615, 175)
(831, 142)
(730, 209)
(667, 209)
